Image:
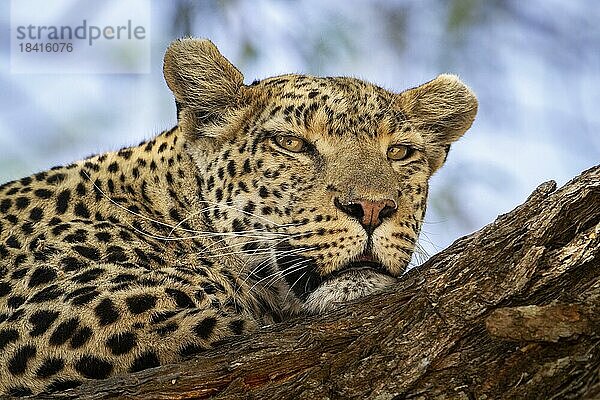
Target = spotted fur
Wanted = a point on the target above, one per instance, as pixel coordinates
(136, 258)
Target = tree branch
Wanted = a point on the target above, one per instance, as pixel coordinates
(510, 311)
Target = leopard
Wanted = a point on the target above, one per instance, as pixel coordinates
(286, 197)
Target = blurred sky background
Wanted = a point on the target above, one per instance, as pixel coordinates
(535, 66)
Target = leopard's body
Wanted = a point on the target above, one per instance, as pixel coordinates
(141, 257)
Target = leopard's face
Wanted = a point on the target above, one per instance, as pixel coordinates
(323, 180)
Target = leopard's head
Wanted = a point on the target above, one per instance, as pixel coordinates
(324, 180)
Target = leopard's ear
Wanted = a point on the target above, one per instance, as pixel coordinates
(205, 83)
(441, 110)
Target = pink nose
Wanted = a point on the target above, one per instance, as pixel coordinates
(370, 213)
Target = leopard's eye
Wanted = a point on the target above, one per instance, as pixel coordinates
(291, 143)
(398, 152)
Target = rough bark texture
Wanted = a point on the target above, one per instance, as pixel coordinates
(510, 311)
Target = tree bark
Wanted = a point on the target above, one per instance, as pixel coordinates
(510, 311)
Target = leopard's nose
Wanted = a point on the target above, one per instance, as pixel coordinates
(370, 213)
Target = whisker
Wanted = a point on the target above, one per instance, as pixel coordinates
(270, 277)
(178, 225)
(278, 237)
(193, 214)
(275, 254)
(280, 275)
(199, 235)
(242, 211)
(125, 208)
(292, 286)
(271, 241)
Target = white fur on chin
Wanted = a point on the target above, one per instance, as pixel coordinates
(349, 286)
